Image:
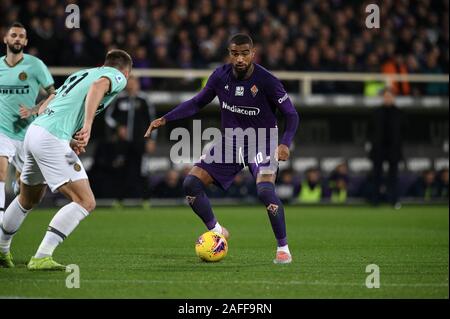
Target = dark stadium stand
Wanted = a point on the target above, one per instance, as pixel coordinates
(289, 35)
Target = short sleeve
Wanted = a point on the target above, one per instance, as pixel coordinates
(118, 80)
(43, 75)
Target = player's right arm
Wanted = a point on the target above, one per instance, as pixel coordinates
(96, 93)
(188, 108)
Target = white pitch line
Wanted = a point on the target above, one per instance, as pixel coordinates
(245, 282)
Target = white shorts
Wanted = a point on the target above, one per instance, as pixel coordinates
(13, 150)
(49, 159)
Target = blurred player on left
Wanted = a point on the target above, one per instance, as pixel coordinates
(21, 76)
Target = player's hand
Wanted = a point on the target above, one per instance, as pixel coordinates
(282, 152)
(79, 150)
(82, 136)
(154, 125)
(76, 147)
(24, 112)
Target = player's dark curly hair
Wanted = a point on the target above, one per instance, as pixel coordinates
(241, 38)
(15, 25)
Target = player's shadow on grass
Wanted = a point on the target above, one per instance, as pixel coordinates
(182, 263)
(21, 263)
(196, 269)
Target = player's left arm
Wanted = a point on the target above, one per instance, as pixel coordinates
(279, 97)
(96, 93)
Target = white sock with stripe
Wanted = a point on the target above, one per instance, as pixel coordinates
(2, 200)
(13, 218)
(62, 224)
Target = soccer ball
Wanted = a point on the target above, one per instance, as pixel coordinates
(211, 246)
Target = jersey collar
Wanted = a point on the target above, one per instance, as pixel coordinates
(11, 66)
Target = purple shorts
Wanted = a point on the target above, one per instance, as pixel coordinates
(224, 171)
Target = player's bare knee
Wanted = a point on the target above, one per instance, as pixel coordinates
(3, 174)
(28, 202)
(87, 203)
(31, 196)
(91, 205)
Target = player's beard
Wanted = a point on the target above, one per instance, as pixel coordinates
(15, 48)
(241, 73)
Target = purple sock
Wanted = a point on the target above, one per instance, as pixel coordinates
(275, 210)
(197, 199)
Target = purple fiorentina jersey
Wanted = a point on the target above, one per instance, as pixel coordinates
(247, 103)
(243, 103)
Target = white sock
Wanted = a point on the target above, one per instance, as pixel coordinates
(48, 244)
(217, 228)
(62, 224)
(13, 217)
(284, 248)
(2, 200)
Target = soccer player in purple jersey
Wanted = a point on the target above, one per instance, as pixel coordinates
(249, 97)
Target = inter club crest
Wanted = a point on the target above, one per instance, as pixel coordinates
(23, 76)
(254, 90)
(273, 209)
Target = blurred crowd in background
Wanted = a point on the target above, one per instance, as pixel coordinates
(310, 35)
(313, 186)
(117, 171)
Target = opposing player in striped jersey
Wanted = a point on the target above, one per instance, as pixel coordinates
(51, 147)
(21, 77)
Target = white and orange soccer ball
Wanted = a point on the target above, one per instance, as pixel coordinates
(211, 247)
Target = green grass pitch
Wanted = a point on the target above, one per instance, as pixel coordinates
(149, 253)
